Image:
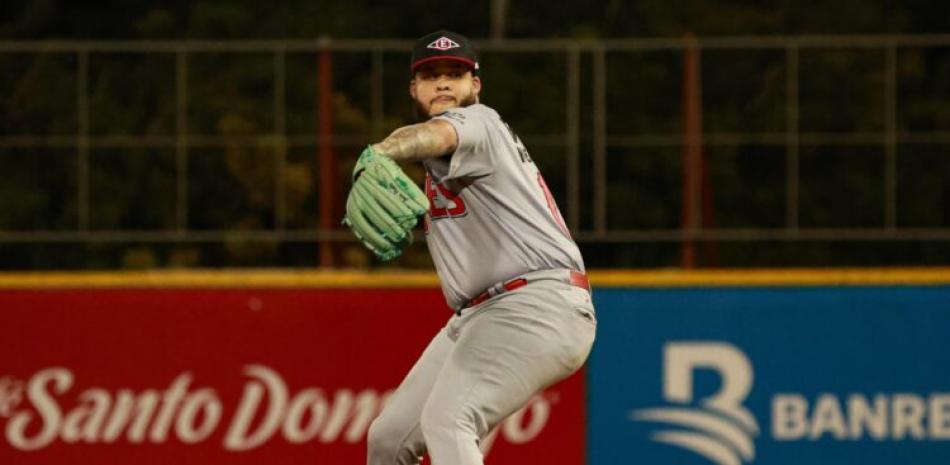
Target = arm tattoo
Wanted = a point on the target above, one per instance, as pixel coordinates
(415, 142)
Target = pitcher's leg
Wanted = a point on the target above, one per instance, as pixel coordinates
(503, 357)
(394, 437)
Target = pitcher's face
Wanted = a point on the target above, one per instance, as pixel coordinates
(444, 84)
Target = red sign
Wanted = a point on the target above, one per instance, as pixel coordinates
(230, 376)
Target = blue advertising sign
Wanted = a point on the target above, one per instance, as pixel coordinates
(776, 376)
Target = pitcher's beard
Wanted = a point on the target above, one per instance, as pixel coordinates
(422, 114)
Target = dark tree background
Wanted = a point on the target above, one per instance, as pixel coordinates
(232, 186)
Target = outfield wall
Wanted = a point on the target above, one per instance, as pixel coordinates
(764, 366)
(818, 375)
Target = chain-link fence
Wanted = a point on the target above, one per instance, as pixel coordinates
(163, 144)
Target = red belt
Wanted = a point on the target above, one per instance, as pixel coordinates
(576, 279)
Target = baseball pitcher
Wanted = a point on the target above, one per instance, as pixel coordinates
(523, 317)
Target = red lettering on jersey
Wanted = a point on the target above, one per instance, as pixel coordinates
(443, 203)
(553, 206)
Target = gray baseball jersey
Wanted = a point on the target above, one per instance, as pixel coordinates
(492, 217)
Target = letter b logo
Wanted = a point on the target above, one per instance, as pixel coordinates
(680, 359)
(722, 429)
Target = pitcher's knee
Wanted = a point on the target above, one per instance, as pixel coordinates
(385, 442)
(442, 423)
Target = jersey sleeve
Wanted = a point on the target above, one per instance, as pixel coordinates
(472, 157)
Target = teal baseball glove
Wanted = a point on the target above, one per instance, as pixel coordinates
(383, 206)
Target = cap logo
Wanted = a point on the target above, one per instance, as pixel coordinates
(443, 43)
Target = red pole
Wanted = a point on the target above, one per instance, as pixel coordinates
(325, 159)
(692, 149)
(710, 248)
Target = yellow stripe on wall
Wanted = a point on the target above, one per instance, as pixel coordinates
(773, 277)
(217, 279)
(416, 279)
